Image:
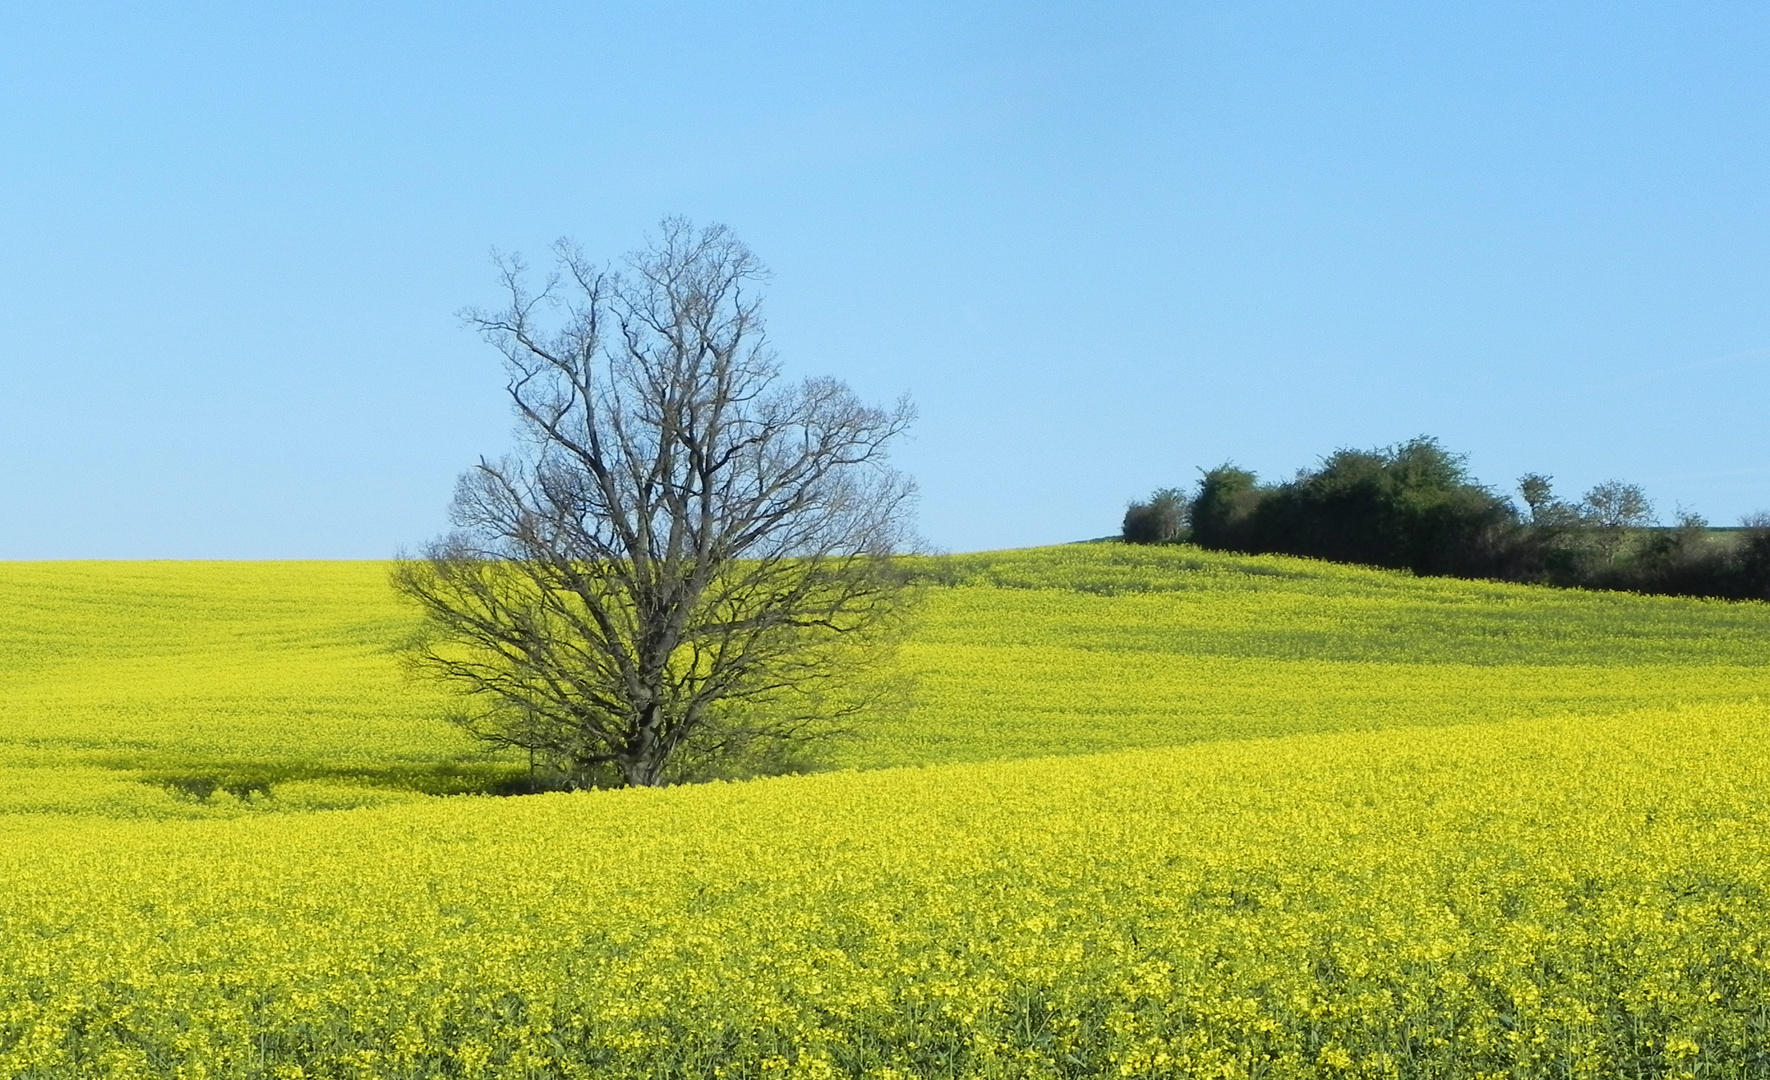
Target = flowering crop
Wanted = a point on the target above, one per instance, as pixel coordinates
(1295, 821)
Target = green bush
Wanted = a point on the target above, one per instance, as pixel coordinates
(1414, 506)
(1161, 520)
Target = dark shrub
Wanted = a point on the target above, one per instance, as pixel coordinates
(1161, 520)
(1754, 558)
(1410, 507)
(1227, 497)
(1415, 507)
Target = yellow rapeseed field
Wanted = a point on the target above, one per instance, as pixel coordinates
(1153, 813)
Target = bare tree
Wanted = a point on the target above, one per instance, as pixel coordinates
(1616, 505)
(689, 553)
(1615, 508)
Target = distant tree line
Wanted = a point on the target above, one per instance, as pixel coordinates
(1415, 507)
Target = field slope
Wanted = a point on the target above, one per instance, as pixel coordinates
(1155, 812)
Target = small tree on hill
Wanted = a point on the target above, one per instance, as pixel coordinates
(688, 552)
(1548, 513)
(1614, 509)
(1161, 520)
(1227, 497)
(1539, 495)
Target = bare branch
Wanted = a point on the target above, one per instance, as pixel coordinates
(688, 557)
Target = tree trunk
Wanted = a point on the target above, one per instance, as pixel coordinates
(642, 765)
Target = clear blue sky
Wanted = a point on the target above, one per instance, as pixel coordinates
(1100, 245)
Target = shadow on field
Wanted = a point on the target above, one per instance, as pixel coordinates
(200, 780)
(251, 781)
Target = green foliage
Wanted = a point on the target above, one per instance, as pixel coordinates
(1161, 520)
(1415, 507)
(1609, 539)
(1226, 497)
(1411, 506)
